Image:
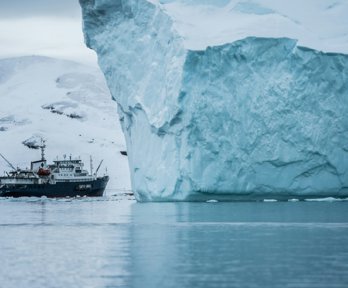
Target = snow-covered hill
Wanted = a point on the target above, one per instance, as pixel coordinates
(66, 103)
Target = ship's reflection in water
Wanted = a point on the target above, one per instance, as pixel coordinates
(120, 243)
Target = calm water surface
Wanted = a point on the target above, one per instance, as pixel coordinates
(113, 242)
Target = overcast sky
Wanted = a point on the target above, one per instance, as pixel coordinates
(43, 27)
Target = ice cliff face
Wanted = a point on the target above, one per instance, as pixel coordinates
(253, 118)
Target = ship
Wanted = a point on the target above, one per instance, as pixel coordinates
(62, 178)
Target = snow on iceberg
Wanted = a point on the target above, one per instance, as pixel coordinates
(253, 118)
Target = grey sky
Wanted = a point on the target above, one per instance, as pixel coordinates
(32, 8)
(50, 28)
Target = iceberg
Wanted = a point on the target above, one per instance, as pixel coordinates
(244, 111)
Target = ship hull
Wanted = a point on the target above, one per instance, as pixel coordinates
(93, 188)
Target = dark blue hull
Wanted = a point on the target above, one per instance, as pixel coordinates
(60, 189)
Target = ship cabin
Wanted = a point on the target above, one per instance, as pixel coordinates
(69, 170)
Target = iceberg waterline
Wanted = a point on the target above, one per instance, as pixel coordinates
(255, 118)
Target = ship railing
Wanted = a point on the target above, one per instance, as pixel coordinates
(19, 181)
(74, 179)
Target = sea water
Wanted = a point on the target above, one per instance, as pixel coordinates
(116, 242)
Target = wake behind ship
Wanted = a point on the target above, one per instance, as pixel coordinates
(63, 178)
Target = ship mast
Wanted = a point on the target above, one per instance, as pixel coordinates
(42, 147)
(96, 171)
(91, 164)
